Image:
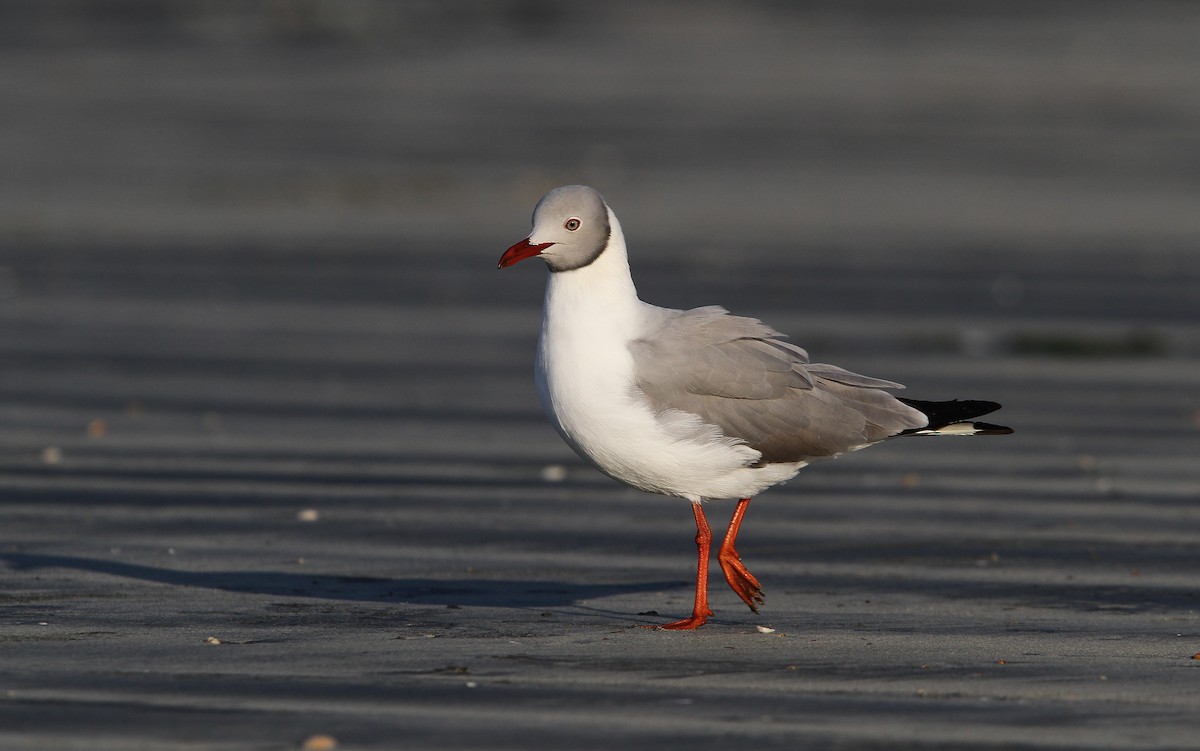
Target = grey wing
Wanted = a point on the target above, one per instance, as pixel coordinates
(737, 374)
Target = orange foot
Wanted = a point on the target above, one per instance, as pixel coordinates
(695, 621)
(739, 577)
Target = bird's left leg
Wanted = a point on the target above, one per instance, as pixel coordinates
(739, 577)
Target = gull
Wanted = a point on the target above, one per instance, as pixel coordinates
(695, 404)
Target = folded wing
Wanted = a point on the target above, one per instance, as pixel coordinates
(738, 374)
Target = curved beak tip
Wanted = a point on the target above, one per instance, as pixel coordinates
(520, 252)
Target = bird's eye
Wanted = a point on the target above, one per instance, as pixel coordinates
(571, 224)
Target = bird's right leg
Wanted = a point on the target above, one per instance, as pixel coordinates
(700, 611)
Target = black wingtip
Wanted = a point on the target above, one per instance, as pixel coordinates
(956, 411)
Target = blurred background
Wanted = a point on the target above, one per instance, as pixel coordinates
(1065, 126)
(317, 191)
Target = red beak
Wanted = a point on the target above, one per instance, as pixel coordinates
(520, 252)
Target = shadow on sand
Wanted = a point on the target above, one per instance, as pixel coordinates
(466, 592)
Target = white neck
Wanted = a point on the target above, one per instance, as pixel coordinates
(591, 315)
(597, 303)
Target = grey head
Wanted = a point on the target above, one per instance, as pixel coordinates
(570, 230)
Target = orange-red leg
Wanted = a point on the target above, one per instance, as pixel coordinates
(739, 577)
(700, 611)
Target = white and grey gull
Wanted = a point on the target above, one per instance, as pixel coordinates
(697, 404)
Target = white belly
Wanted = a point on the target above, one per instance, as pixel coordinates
(587, 387)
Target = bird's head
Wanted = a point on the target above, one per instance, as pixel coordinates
(570, 230)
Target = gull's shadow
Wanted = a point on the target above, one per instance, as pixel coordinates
(477, 592)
